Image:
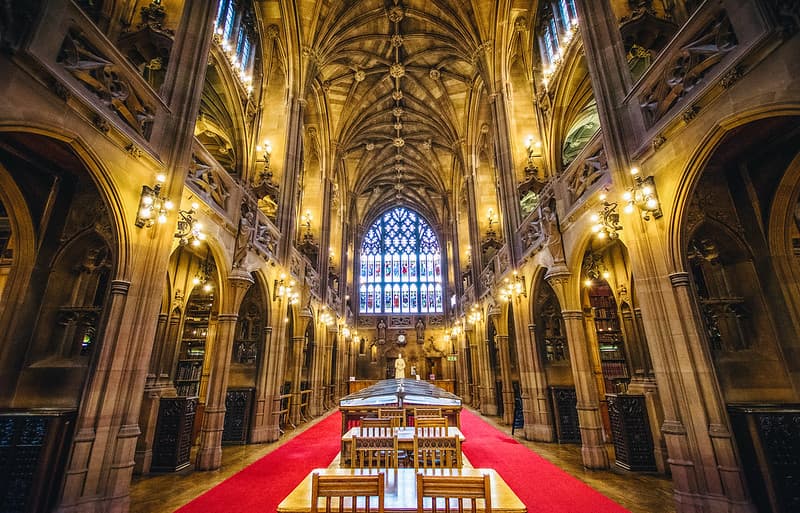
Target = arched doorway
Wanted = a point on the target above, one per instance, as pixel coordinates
(737, 234)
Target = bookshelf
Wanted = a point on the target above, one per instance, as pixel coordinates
(193, 345)
(609, 336)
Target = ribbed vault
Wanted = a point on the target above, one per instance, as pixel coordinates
(397, 79)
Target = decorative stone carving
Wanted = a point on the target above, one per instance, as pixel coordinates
(397, 70)
(435, 74)
(731, 77)
(396, 40)
(208, 181)
(396, 13)
(690, 113)
(359, 76)
(658, 141)
(101, 76)
(688, 66)
(592, 169)
(397, 95)
(244, 234)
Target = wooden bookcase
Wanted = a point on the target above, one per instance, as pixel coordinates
(609, 336)
(193, 345)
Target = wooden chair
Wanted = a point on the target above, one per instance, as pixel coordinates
(420, 413)
(430, 422)
(347, 493)
(374, 452)
(398, 416)
(437, 452)
(376, 422)
(454, 493)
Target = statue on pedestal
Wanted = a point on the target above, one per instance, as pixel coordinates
(400, 367)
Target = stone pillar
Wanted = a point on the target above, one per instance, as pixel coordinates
(505, 375)
(298, 341)
(209, 456)
(593, 447)
(486, 373)
(538, 418)
(462, 374)
(262, 410)
(706, 473)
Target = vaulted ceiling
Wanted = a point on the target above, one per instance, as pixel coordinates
(396, 86)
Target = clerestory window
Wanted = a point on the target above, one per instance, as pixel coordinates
(401, 266)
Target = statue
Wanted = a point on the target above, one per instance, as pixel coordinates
(381, 330)
(400, 367)
(420, 329)
(243, 236)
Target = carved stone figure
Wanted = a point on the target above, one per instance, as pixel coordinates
(400, 367)
(243, 236)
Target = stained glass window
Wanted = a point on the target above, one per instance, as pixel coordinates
(401, 256)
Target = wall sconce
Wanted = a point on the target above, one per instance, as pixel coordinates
(282, 289)
(595, 269)
(189, 229)
(345, 331)
(606, 221)
(203, 275)
(474, 315)
(534, 148)
(514, 287)
(265, 149)
(642, 195)
(325, 317)
(152, 205)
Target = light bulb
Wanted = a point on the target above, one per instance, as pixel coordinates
(169, 205)
(196, 281)
(195, 206)
(594, 218)
(647, 190)
(634, 170)
(626, 195)
(196, 242)
(207, 287)
(652, 204)
(588, 283)
(147, 200)
(596, 228)
(606, 274)
(145, 213)
(161, 178)
(162, 218)
(628, 209)
(601, 235)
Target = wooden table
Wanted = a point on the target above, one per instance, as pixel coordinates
(401, 489)
(405, 440)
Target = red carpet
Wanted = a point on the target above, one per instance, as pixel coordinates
(542, 486)
(263, 485)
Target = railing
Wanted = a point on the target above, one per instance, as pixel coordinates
(304, 400)
(701, 56)
(85, 64)
(284, 403)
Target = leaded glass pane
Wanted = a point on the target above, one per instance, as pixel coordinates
(400, 248)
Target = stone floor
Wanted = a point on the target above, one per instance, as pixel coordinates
(638, 492)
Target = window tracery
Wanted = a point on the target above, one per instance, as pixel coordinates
(401, 266)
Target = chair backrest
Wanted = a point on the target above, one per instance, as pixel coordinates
(397, 414)
(437, 452)
(376, 422)
(453, 493)
(341, 492)
(427, 412)
(430, 422)
(374, 452)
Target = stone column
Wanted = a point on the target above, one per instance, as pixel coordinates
(298, 341)
(486, 373)
(593, 447)
(705, 470)
(262, 410)
(209, 456)
(505, 375)
(462, 374)
(538, 418)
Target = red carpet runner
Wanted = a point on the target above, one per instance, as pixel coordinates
(263, 485)
(542, 486)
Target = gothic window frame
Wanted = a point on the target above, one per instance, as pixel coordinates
(400, 267)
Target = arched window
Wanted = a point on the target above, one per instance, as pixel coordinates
(401, 266)
(555, 21)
